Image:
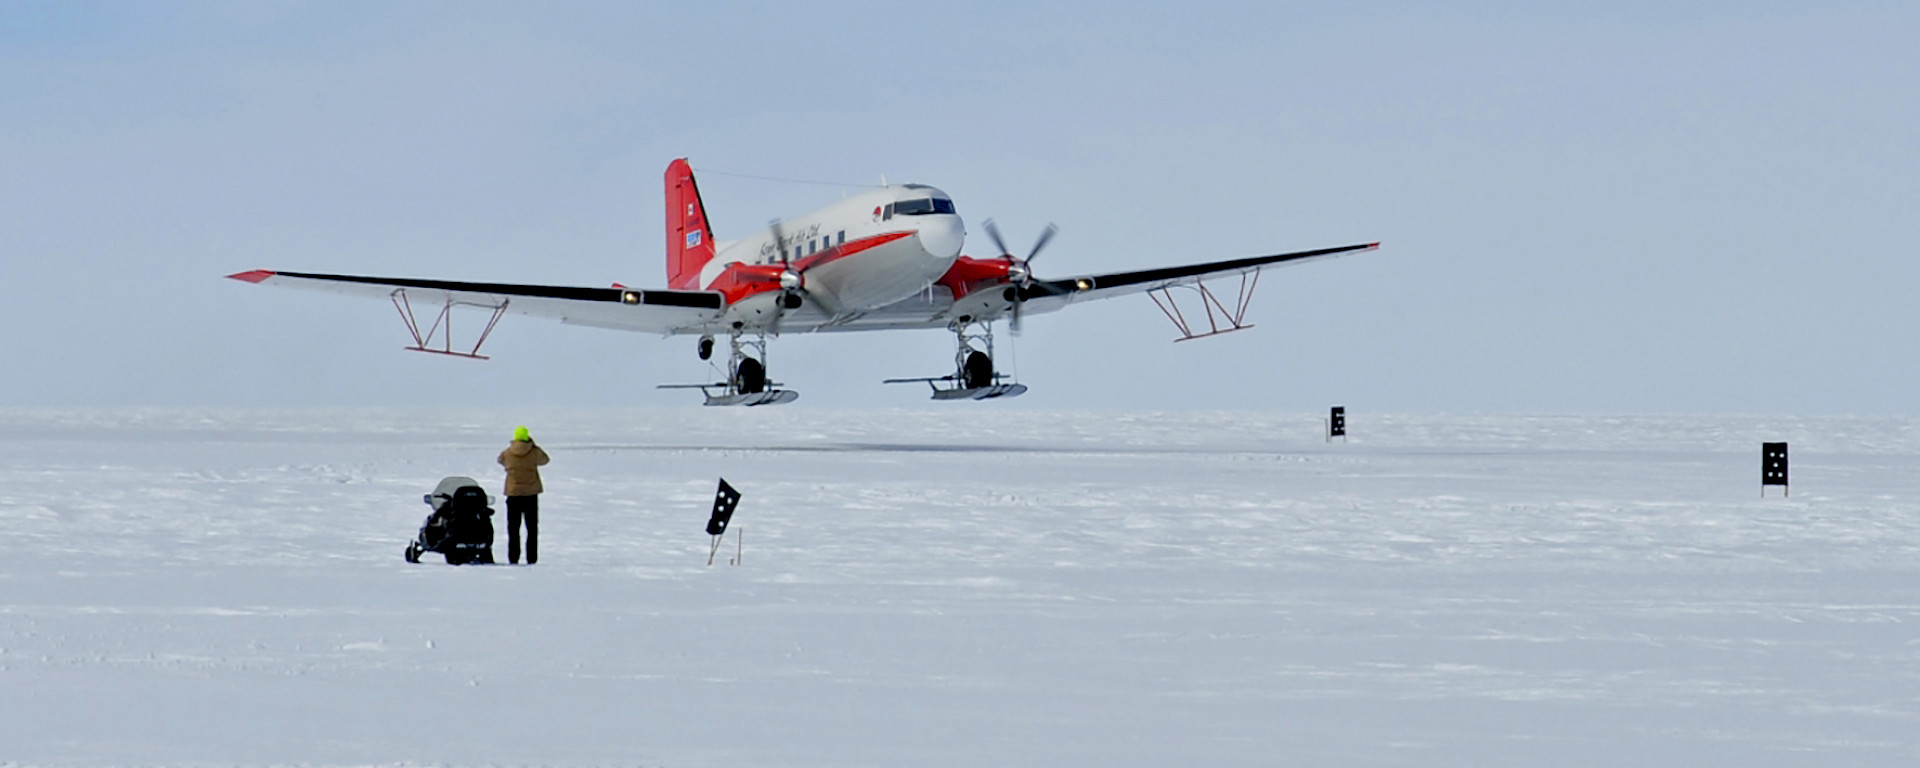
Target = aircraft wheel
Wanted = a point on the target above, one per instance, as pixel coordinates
(978, 372)
(413, 555)
(751, 377)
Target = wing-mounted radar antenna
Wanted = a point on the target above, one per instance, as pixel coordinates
(1219, 318)
(1337, 423)
(438, 337)
(724, 501)
(1773, 468)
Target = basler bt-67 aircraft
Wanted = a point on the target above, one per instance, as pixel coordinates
(888, 258)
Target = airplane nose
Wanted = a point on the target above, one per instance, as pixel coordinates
(942, 236)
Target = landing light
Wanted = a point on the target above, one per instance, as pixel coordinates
(1083, 284)
(630, 297)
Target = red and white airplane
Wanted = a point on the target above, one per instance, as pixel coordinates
(883, 259)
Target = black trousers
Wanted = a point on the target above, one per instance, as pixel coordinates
(525, 508)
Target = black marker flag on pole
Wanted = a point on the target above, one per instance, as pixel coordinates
(723, 503)
(1773, 467)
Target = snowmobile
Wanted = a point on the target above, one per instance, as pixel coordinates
(460, 527)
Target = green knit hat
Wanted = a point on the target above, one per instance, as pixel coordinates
(521, 435)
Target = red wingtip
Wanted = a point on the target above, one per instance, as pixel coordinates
(252, 276)
(1371, 246)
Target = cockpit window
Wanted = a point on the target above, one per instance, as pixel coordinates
(922, 207)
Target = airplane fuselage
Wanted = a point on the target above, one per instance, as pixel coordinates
(868, 251)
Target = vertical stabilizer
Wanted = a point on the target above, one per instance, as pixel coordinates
(689, 241)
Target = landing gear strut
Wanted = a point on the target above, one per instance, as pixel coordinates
(746, 382)
(973, 377)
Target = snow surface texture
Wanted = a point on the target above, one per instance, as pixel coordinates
(963, 587)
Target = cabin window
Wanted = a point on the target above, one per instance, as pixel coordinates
(843, 238)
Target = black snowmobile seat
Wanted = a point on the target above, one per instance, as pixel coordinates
(470, 498)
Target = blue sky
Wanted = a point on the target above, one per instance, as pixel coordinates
(1605, 207)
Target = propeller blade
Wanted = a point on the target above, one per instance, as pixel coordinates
(993, 232)
(1045, 236)
(778, 247)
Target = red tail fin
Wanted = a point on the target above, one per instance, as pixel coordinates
(689, 241)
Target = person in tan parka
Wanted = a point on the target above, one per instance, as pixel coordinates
(523, 461)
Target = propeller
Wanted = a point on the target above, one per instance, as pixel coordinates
(793, 285)
(1019, 271)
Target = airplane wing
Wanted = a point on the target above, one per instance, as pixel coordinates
(671, 312)
(630, 309)
(1050, 295)
(993, 298)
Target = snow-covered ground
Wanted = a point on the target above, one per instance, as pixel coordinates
(964, 586)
